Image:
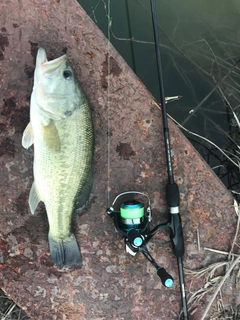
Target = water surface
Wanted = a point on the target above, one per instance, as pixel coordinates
(200, 51)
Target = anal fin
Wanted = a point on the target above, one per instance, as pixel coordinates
(82, 197)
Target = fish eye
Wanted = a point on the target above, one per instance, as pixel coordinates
(67, 74)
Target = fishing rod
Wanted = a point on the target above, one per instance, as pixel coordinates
(132, 217)
(172, 191)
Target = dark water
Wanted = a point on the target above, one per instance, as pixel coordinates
(200, 49)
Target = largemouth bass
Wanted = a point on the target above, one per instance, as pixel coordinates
(62, 133)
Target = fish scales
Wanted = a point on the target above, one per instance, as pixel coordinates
(69, 165)
(62, 133)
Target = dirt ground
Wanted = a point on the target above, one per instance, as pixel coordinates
(129, 155)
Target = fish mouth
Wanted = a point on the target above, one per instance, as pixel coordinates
(49, 67)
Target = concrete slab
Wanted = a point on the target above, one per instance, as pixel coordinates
(129, 154)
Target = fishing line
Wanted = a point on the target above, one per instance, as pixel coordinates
(108, 101)
(130, 36)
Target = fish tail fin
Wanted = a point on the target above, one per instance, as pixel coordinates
(65, 252)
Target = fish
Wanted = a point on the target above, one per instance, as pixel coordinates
(61, 130)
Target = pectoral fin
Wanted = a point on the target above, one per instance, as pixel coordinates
(33, 199)
(28, 138)
(51, 137)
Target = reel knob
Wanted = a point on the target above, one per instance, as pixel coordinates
(134, 241)
(166, 278)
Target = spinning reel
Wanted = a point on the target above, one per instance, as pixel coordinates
(132, 220)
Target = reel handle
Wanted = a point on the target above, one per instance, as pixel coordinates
(166, 278)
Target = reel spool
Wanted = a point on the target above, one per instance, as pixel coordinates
(132, 214)
(132, 220)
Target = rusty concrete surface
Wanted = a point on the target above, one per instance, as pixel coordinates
(129, 154)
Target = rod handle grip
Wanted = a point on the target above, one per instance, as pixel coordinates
(175, 223)
(176, 235)
(172, 193)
